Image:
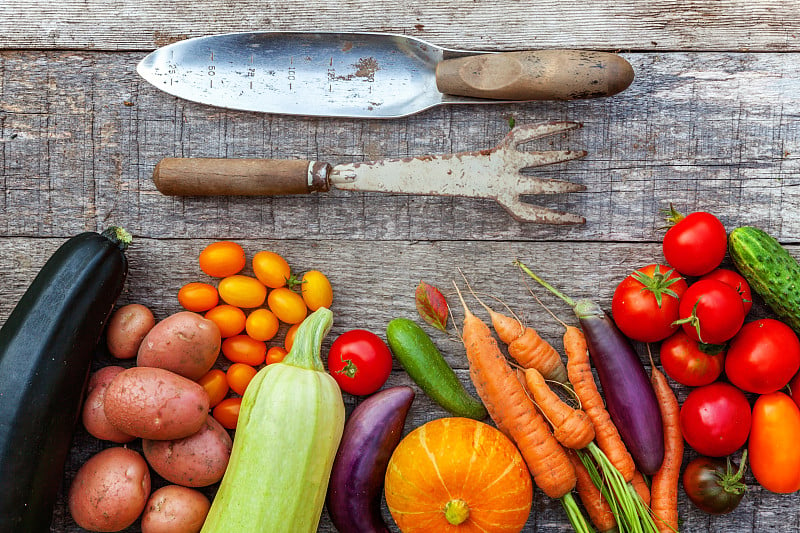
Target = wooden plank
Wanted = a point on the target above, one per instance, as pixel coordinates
(80, 133)
(158, 267)
(619, 25)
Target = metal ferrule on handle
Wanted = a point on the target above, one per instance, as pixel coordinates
(240, 177)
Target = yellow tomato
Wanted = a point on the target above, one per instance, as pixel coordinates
(316, 290)
(262, 324)
(221, 259)
(288, 342)
(271, 269)
(242, 291)
(287, 305)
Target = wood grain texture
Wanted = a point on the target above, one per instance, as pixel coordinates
(80, 134)
(711, 122)
(480, 24)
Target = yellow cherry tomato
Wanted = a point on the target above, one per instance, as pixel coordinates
(221, 259)
(316, 290)
(271, 269)
(215, 383)
(244, 349)
(198, 297)
(287, 305)
(229, 319)
(242, 291)
(262, 324)
(239, 376)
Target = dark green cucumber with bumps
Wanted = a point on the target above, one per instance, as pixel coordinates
(424, 363)
(770, 270)
(46, 349)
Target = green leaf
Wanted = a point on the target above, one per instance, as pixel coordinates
(432, 305)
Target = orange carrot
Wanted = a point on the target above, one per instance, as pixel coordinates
(593, 501)
(640, 485)
(526, 347)
(571, 427)
(514, 413)
(664, 489)
(580, 375)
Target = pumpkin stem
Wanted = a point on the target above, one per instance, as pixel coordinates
(456, 511)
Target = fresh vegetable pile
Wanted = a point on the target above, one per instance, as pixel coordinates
(242, 426)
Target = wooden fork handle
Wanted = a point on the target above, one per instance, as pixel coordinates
(535, 75)
(240, 177)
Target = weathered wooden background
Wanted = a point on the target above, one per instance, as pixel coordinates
(711, 122)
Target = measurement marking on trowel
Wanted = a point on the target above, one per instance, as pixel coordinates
(292, 72)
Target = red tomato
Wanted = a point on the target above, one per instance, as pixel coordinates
(763, 356)
(359, 361)
(645, 304)
(711, 311)
(715, 419)
(696, 243)
(689, 362)
(772, 450)
(735, 280)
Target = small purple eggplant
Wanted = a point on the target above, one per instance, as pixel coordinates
(630, 398)
(371, 434)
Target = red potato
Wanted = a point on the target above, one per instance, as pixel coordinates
(195, 461)
(153, 403)
(175, 509)
(185, 343)
(93, 414)
(126, 328)
(110, 490)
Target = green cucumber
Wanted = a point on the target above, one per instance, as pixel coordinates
(770, 270)
(426, 366)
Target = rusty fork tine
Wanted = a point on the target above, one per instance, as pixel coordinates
(542, 186)
(530, 132)
(525, 212)
(549, 157)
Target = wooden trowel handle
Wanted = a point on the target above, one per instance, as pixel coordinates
(242, 177)
(535, 75)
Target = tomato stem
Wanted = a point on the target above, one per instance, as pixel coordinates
(349, 369)
(731, 481)
(658, 283)
(693, 320)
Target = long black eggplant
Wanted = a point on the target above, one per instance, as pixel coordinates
(46, 348)
(630, 398)
(371, 434)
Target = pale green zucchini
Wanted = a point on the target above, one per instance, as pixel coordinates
(290, 425)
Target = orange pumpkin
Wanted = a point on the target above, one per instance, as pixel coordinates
(458, 475)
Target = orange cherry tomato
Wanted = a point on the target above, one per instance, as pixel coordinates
(275, 355)
(271, 269)
(287, 305)
(215, 383)
(262, 324)
(227, 412)
(288, 342)
(316, 290)
(229, 319)
(772, 448)
(244, 349)
(239, 376)
(198, 297)
(242, 291)
(221, 259)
